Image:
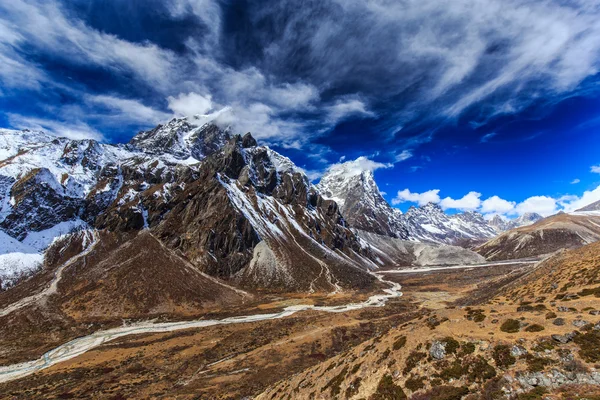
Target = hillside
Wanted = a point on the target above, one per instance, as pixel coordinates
(561, 231)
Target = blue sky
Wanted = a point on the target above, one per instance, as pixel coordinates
(488, 105)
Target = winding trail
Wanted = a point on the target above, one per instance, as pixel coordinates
(52, 287)
(83, 344)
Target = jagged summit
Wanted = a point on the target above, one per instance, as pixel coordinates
(360, 201)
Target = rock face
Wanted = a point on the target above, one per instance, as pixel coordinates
(595, 206)
(395, 252)
(437, 350)
(430, 223)
(181, 139)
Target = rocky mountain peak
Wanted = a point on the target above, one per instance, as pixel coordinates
(360, 201)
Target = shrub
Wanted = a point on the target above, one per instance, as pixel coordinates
(413, 360)
(543, 345)
(385, 355)
(475, 315)
(551, 315)
(589, 346)
(399, 343)
(451, 345)
(534, 328)
(479, 370)
(510, 326)
(536, 364)
(387, 390)
(502, 356)
(588, 292)
(415, 383)
(535, 394)
(442, 393)
(353, 388)
(355, 368)
(454, 371)
(467, 348)
(335, 383)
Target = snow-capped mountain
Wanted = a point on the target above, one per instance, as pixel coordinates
(239, 211)
(430, 223)
(360, 201)
(363, 206)
(502, 224)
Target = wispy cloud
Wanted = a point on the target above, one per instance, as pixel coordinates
(486, 138)
(403, 156)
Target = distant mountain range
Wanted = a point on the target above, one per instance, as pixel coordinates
(363, 206)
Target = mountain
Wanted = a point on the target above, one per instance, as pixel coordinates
(238, 211)
(360, 201)
(404, 253)
(501, 224)
(560, 231)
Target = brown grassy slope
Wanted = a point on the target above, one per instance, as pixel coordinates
(561, 277)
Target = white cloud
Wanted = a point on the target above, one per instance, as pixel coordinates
(190, 104)
(403, 156)
(543, 205)
(430, 196)
(345, 108)
(61, 129)
(355, 167)
(575, 181)
(495, 205)
(50, 30)
(469, 202)
(595, 169)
